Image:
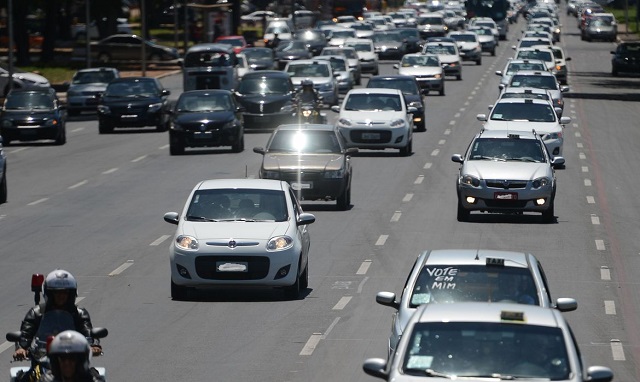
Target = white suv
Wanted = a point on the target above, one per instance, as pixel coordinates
(376, 118)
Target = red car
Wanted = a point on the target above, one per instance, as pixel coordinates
(237, 42)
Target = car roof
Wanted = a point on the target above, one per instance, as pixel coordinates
(489, 312)
(99, 69)
(511, 89)
(374, 91)
(392, 77)
(306, 127)
(264, 184)
(266, 73)
(477, 257)
(208, 91)
(534, 73)
(522, 100)
(506, 134)
(208, 47)
(133, 79)
(311, 61)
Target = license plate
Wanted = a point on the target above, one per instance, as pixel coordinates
(28, 131)
(125, 116)
(505, 196)
(204, 135)
(301, 186)
(370, 135)
(222, 266)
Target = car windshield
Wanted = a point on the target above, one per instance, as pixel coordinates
(199, 102)
(28, 101)
(337, 64)
(441, 49)
(483, 31)
(406, 86)
(481, 283)
(387, 37)
(231, 41)
(362, 27)
(207, 58)
(373, 102)
(430, 20)
(287, 46)
(409, 33)
(421, 60)
(530, 43)
(263, 86)
(93, 77)
(525, 150)
(343, 33)
(362, 47)
(131, 89)
(533, 112)
(601, 22)
(308, 70)
(238, 204)
(465, 37)
(258, 54)
(535, 55)
(542, 82)
(515, 66)
(485, 24)
(317, 142)
(501, 350)
(630, 49)
(543, 96)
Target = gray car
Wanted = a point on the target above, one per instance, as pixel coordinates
(600, 26)
(459, 275)
(506, 172)
(313, 159)
(86, 87)
(476, 341)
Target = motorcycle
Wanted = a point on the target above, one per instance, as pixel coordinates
(309, 112)
(52, 323)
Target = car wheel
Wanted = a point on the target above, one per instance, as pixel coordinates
(105, 128)
(422, 127)
(293, 292)
(62, 137)
(479, 61)
(459, 76)
(162, 127)
(463, 214)
(304, 278)
(375, 73)
(408, 149)
(104, 58)
(359, 80)
(343, 200)
(3, 187)
(441, 92)
(176, 145)
(238, 147)
(549, 216)
(178, 292)
(493, 52)
(614, 72)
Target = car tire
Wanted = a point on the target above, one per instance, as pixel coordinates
(359, 80)
(422, 127)
(3, 187)
(343, 200)
(176, 146)
(549, 216)
(614, 72)
(62, 138)
(441, 92)
(463, 214)
(238, 147)
(304, 278)
(493, 52)
(105, 128)
(162, 127)
(292, 292)
(459, 77)
(479, 61)
(178, 292)
(407, 150)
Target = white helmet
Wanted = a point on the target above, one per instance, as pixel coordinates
(60, 280)
(70, 343)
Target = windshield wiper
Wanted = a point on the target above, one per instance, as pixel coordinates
(433, 373)
(201, 218)
(237, 220)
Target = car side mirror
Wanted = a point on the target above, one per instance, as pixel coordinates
(481, 117)
(457, 158)
(335, 108)
(557, 161)
(171, 217)
(305, 218)
(412, 109)
(387, 299)
(259, 150)
(351, 151)
(499, 73)
(567, 59)
(564, 89)
(165, 92)
(396, 66)
(565, 120)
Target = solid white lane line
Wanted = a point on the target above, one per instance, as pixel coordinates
(79, 184)
(427, 165)
(617, 350)
(435, 152)
(109, 171)
(361, 285)
(78, 299)
(159, 240)
(609, 307)
(585, 169)
(595, 220)
(600, 245)
(605, 274)
(382, 239)
(330, 328)
(121, 268)
(587, 182)
(591, 200)
(342, 303)
(419, 179)
(311, 344)
(364, 267)
(407, 198)
(396, 216)
(138, 159)
(16, 150)
(38, 201)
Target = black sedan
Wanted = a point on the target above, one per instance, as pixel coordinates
(267, 97)
(260, 58)
(626, 58)
(291, 50)
(414, 40)
(412, 94)
(31, 115)
(389, 45)
(133, 102)
(128, 48)
(206, 118)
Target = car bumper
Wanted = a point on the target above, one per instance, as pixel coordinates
(378, 138)
(88, 103)
(452, 69)
(216, 138)
(430, 83)
(488, 46)
(492, 199)
(314, 185)
(266, 121)
(132, 120)
(368, 66)
(470, 55)
(31, 133)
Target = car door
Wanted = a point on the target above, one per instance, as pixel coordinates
(302, 230)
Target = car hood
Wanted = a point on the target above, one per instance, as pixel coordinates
(25, 115)
(367, 56)
(485, 38)
(203, 117)
(448, 58)
(512, 170)
(305, 162)
(261, 62)
(290, 55)
(466, 45)
(94, 87)
(420, 71)
(373, 116)
(125, 101)
(237, 230)
(31, 77)
(387, 44)
(266, 99)
(540, 127)
(316, 80)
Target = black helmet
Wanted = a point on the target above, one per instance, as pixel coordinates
(70, 343)
(307, 83)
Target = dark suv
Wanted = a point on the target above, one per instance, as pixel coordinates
(267, 97)
(134, 102)
(626, 58)
(33, 114)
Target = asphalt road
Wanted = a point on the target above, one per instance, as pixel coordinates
(94, 207)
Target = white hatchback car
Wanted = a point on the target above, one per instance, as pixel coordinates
(366, 54)
(376, 118)
(240, 232)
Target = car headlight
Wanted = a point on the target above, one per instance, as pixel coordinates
(541, 182)
(306, 113)
(176, 127)
(264, 174)
(470, 181)
(7, 123)
(398, 123)
(415, 104)
(229, 125)
(337, 174)
(154, 107)
(186, 242)
(279, 243)
(102, 109)
(344, 122)
(437, 76)
(550, 136)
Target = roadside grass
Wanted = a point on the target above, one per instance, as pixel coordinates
(619, 14)
(55, 74)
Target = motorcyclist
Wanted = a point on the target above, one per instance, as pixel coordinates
(60, 289)
(70, 357)
(275, 42)
(307, 93)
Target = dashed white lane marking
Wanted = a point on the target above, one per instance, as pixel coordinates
(582, 156)
(342, 303)
(163, 147)
(38, 201)
(577, 134)
(609, 307)
(407, 198)
(456, 115)
(6, 345)
(138, 159)
(159, 240)
(311, 344)
(121, 268)
(77, 129)
(470, 97)
(585, 169)
(109, 171)
(595, 220)
(2, 216)
(435, 152)
(419, 179)
(442, 142)
(605, 274)
(463, 109)
(396, 216)
(453, 122)
(79, 184)
(364, 267)
(579, 145)
(575, 125)
(617, 350)
(591, 200)
(361, 285)
(587, 182)
(427, 165)
(382, 239)
(466, 103)
(600, 245)
(447, 132)
(17, 150)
